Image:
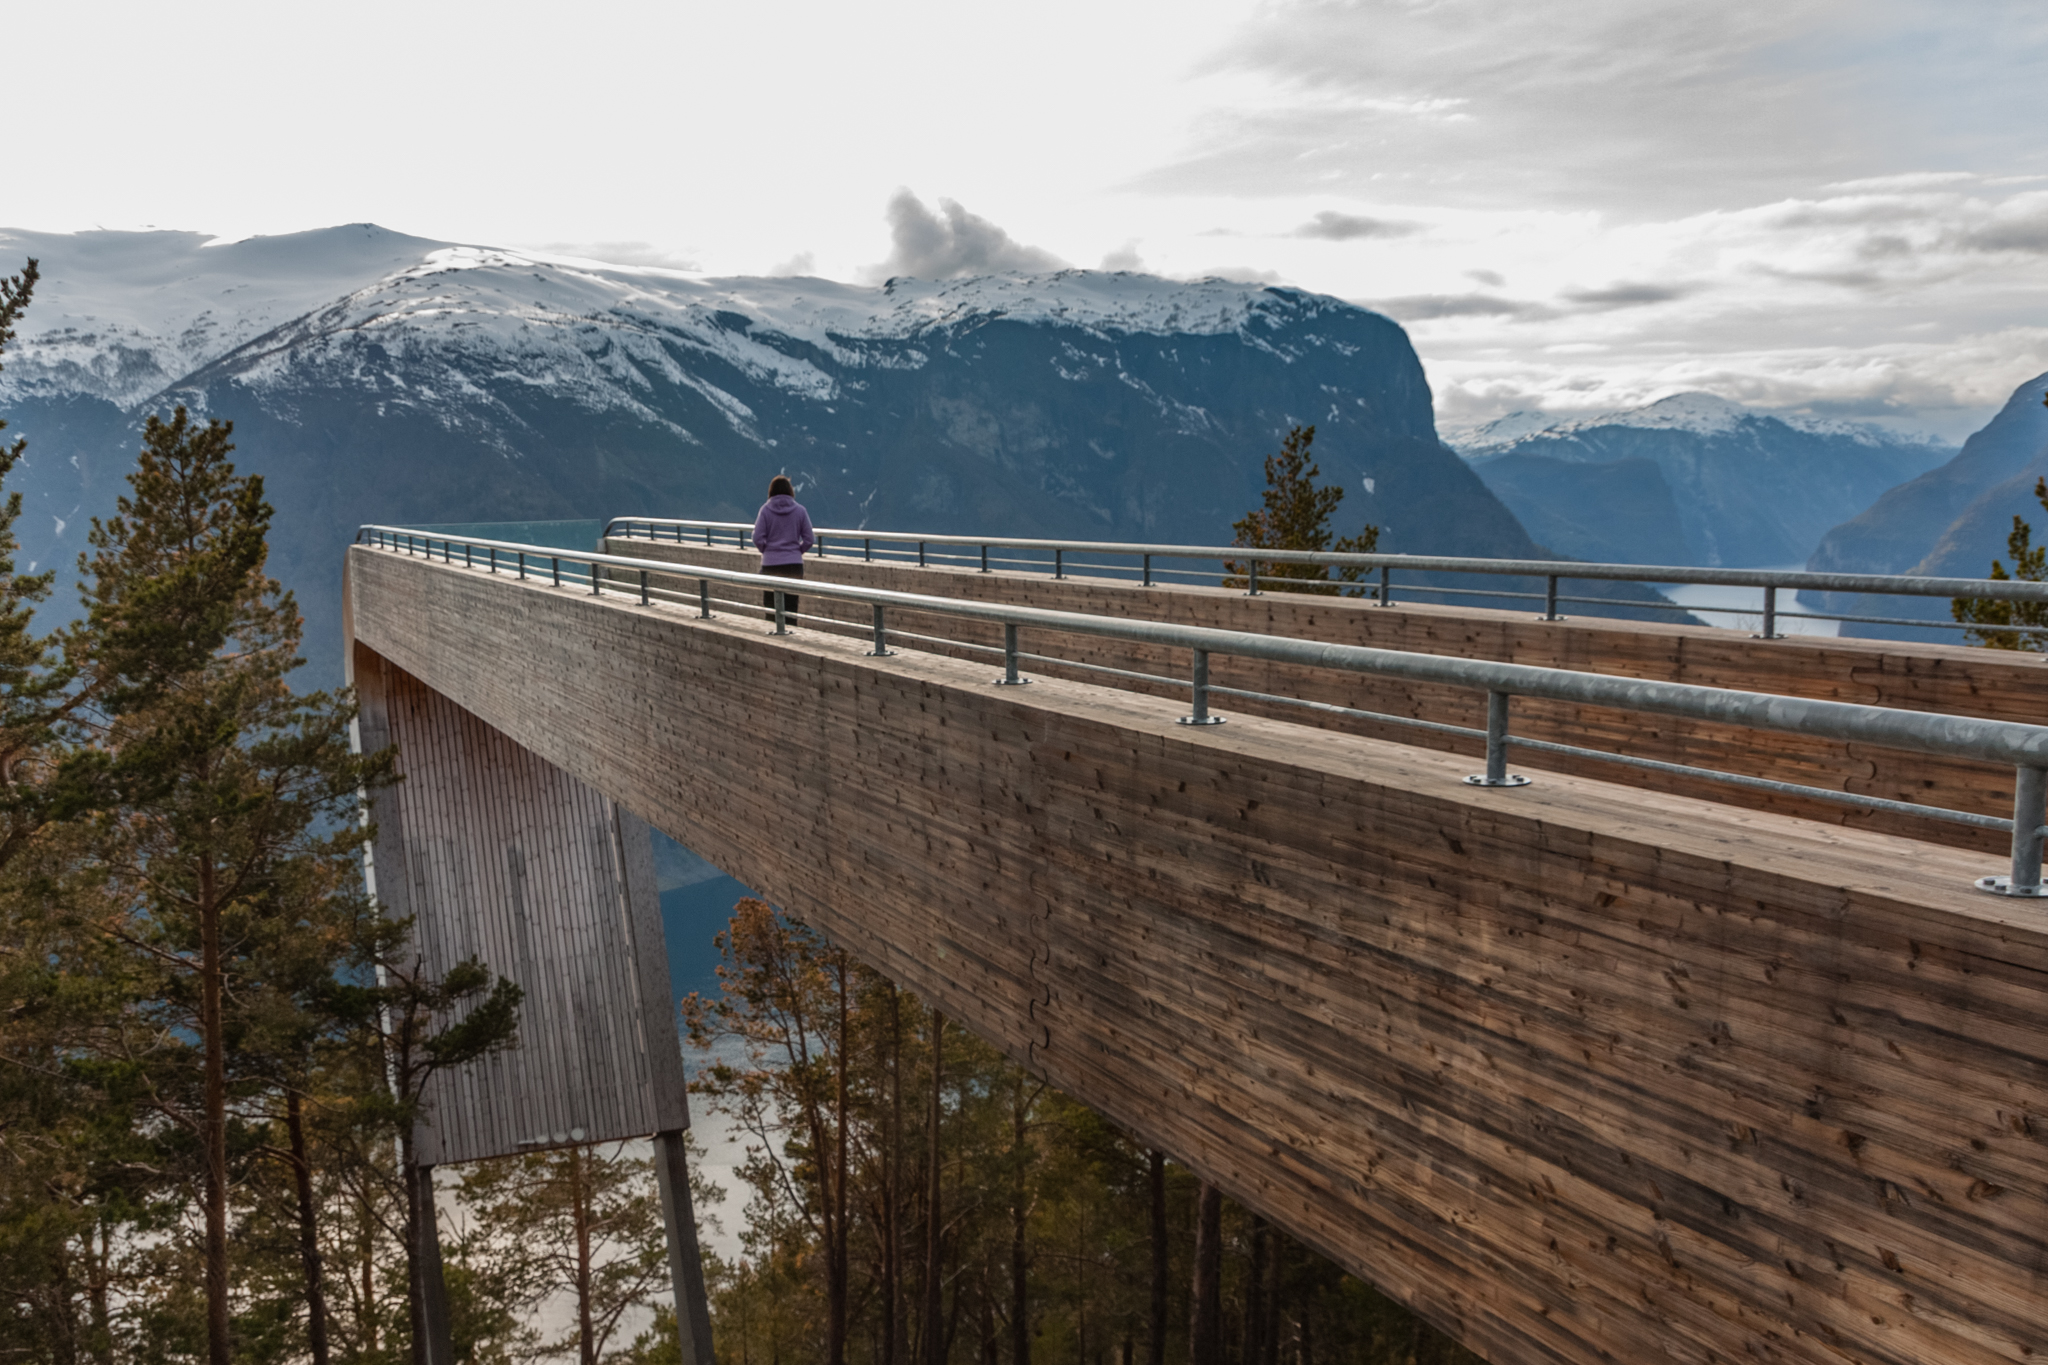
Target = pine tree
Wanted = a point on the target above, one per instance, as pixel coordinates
(1995, 621)
(580, 1223)
(232, 826)
(1295, 515)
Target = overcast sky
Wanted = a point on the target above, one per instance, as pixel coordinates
(1834, 205)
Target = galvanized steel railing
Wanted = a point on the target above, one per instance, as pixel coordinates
(2023, 747)
(901, 546)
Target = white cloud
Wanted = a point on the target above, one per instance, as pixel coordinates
(951, 242)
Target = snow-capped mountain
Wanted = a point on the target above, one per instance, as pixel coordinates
(1692, 478)
(377, 377)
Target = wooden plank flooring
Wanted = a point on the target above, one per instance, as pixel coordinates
(1579, 1071)
(1950, 679)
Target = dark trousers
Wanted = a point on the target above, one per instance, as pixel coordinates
(789, 599)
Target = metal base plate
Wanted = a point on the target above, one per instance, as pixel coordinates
(879, 654)
(2002, 886)
(1013, 682)
(1199, 720)
(1481, 780)
(1766, 637)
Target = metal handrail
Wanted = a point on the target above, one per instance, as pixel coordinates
(2022, 746)
(1551, 570)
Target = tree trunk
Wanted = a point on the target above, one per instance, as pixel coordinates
(892, 1196)
(1255, 1306)
(1205, 1344)
(1276, 1301)
(369, 1240)
(415, 1258)
(1020, 1261)
(839, 1250)
(934, 1270)
(102, 1274)
(579, 1195)
(1156, 1347)
(214, 1120)
(309, 1238)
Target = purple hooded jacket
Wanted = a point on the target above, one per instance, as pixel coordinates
(782, 532)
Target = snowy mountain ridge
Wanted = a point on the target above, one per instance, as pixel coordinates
(1701, 414)
(123, 316)
(120, 315)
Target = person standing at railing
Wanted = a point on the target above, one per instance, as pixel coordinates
(782, 533)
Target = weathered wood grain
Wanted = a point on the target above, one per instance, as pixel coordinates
(1952, 679)
(499, 855)
(1579, 1071)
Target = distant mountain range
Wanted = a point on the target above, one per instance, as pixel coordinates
(1690, 479)
(378, 377)
(1951, 521)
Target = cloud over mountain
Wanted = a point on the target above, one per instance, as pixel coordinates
(952, 243)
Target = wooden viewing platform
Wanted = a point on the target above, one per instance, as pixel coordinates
(1590, 1070)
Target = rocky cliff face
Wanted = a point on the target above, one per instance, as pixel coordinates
(465, 384)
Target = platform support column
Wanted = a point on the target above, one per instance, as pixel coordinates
(433, 1284)
(685, 1264)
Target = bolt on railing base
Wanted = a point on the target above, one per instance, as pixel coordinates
(1199, 720)
(1013, 682)
(2002, 886)
(1482, 780)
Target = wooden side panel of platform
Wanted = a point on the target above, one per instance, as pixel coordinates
(1952, 679)
(1581, 1073)
(498, 855)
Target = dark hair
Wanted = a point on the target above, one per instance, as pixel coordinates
(781, 484)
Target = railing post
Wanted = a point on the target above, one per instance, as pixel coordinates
(707, 537)
(557, 569)
(704, 599)
(596, 590)
(920, 554)
(1059, 563)
(1550, 600)
(643, 587)
(1770, 631)
(821, 547)
(781, 613)
(494, 559)
(984, 559)
(1386, 586)
(522, 566)
(1496, 774)
(1199, 714)
(881, 649)
(1252, 581)
(1009, 678)
(867, 547)
(1148, 571)
(2028, 788)
(468, 555)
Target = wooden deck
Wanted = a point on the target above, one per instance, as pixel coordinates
(1948, 678)
(1579, 1071)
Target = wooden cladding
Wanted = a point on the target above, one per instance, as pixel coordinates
(1952, 679)
(1581, 1072)
(499, 855)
